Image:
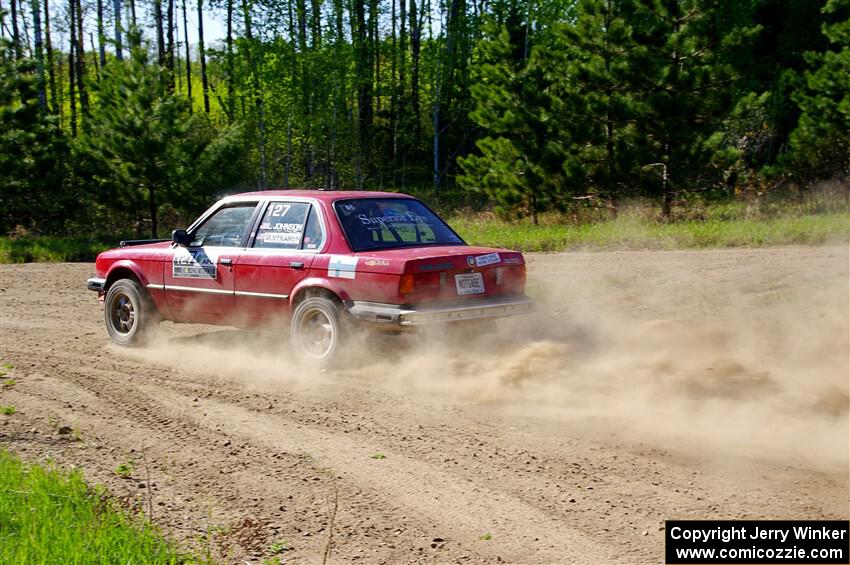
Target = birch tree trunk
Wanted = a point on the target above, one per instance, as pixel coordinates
(55, 108)
(72, 67)
(39, 55)
(81, 63)
(188, 59)
(16, 34)
(119, 47)
(415, 49)
(258, 94)
(101, 37)
(202, 55)
(160, 38)
(231, 79)
(169, 46)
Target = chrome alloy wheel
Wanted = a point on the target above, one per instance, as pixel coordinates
(316, 334)
(122, 313)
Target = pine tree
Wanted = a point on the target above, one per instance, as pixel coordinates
(684, 87)
(596, 108)
(33, 154)
(821, 142)
(518, 167)
(146, 146)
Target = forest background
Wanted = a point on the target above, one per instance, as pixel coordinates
(531, 112)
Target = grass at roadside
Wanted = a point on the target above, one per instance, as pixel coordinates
(49, 516)
(634, 232)
(52, 248)
(717, 226)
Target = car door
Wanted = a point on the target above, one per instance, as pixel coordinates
(199, 280)
(289, 235)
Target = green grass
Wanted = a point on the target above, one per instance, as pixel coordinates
(51, 248)
(631, 231)
(49, 516)
(125, 469)
(729, 224)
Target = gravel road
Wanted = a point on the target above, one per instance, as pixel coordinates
(646, 386)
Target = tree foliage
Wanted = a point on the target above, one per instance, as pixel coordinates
(33, 155)
(821, 142)
(144, 147)
(529, 106)
(518, 166)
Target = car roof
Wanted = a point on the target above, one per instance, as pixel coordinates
(326, 195)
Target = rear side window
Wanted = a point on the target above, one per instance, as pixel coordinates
(289, 225)
(313, 234)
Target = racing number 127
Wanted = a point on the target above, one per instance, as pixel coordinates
(278, 210)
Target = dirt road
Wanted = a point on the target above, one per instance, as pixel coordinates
(647, 386)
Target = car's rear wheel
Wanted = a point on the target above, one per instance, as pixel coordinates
(317, 330)
(129, 313)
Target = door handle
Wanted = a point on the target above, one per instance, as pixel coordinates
(297, 265)
(225, 261)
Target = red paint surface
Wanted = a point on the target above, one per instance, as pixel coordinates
(276, 272)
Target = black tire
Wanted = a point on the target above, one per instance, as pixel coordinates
(317, 331)
(129, 313)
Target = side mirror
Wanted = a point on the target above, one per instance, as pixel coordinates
(181, 237)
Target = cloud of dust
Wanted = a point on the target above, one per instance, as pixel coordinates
(700, 349)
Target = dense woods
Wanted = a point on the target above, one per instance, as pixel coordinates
(111, 119)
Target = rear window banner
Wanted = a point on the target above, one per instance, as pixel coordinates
(386, 223)
(407, 217)
(193, 264)
(343, 267)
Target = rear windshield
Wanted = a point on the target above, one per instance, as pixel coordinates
(382, 223)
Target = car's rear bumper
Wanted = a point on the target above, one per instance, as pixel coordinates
(96, 284)
(417, 315)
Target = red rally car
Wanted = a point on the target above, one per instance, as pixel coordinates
(322, 261)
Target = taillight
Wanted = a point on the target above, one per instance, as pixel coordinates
(406, 284)
(521, 275)
(420, 282)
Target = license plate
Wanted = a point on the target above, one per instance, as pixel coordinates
(469, 283)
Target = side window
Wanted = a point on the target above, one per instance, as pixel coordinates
(313, 235)
(225, 228)
(282, 226)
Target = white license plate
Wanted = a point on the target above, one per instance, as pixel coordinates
(469, 283)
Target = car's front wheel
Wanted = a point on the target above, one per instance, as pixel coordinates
(129, 313)
(317, 330)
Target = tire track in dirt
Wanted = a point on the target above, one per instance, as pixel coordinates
(416, 485)
(188, 454)
(264, 457)
(164, 420)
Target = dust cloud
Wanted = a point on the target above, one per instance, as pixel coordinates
(738, 350)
